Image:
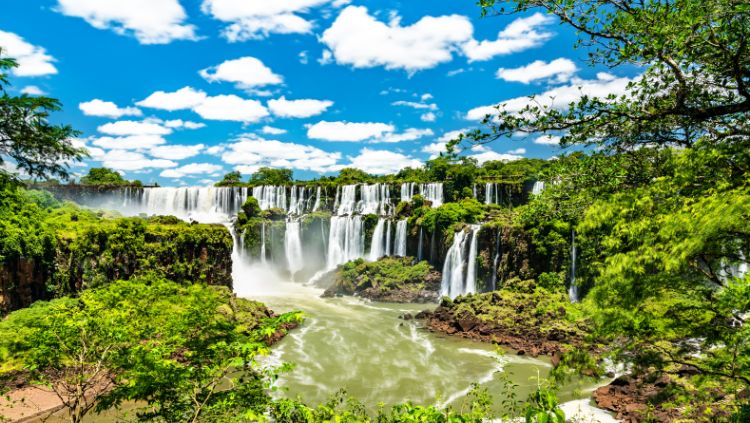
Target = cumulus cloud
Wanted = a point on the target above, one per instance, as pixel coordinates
(272, 130)
(132, 142)
(251, 152)
(521, 34)
(547, 140)
(560, 97)
(558, 70)
(358, 39)
(191, 170)
(439, 146)
(149, 21)
(176, 151)
(232, 108)
(380, 162)
(130, 127)
(256, 19)
(32, 60)
(409, 134)
(32, 90)
(348, 131)
(298, 108)
(183, 124)
(492, 155)
(109, 109)
(245, 72)
(184, 98)
(130, 160)
(416, 105)
(428, 117)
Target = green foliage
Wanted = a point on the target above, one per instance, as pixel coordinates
(271, 176)
(137, 341)
(35, 146)
(103, 176)
(233, 178)
(543, 408)
(443, 218)
(385, 274)
(251, 207)
(350, 175)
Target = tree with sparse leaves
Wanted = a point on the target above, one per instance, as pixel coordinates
(28, 141)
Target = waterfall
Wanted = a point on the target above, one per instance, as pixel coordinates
(263, 243)
(293, 246)
(401, 238)
(316, 206)
(297, 200)
(537, 188)
(474, 191)
(347, 201)
(207, 204)
(496, 260)
(488, 190)
(455, 281)
(271, 197)
(376, 199)
(432, 192)
(572, 288)
(471, 271)
(377, 246)
(345, 240)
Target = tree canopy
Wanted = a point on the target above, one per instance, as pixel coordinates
(29, 143)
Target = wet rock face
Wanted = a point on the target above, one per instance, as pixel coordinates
(22, 281)
(631, 398)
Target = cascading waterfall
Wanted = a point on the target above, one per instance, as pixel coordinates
(210, 204)
(573, 288)
(316, 206)
(345, 240)
(297, 203)
(270, 196)
(432, 192)
(388, 250)
(293, 246)
(262, 243)
(347, 200)
(401, 238)
(456, 281)
(489, 198)
(376, 199)
(537, 188)
(419, 246)
(377, 246)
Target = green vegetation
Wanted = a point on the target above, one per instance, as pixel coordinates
(390, 279)
(136, 340)
(271, 176)
(35, 147)
(106, 177)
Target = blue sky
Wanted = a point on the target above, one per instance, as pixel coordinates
(183, 91)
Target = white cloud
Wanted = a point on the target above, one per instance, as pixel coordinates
(560, 97)
(132, 142)
(32, 90)
(518, 151)
(245, 72)
(109, 109)
(492, 155)
(415, 105)
(428, 117)
(547, 140)
(558, 70)
(298, 108)
(231, 107)
(303, 58)
(435, 148)
(409, 134)
(130, 127)
(273, 131)
(326, 57)
(32, 60)
(381, 162)
(250, 152)
(129, 160)
(256, 19)
(183, 124)
(521, 34)
(184, 98)
(176, 152)
(191, 169)
(358, 39)
(150, 21)
(348, 131)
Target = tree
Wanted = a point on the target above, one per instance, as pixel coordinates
(350, 175)
(103, 176)
(28, 141)
(271, 176)
(230, 179)
(696, 82)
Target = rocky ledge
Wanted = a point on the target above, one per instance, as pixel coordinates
(390, 279)
(532, 322)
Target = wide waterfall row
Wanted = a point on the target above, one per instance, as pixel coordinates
(432, 192)
(198, 203)
(459, 269)
(373, 199)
